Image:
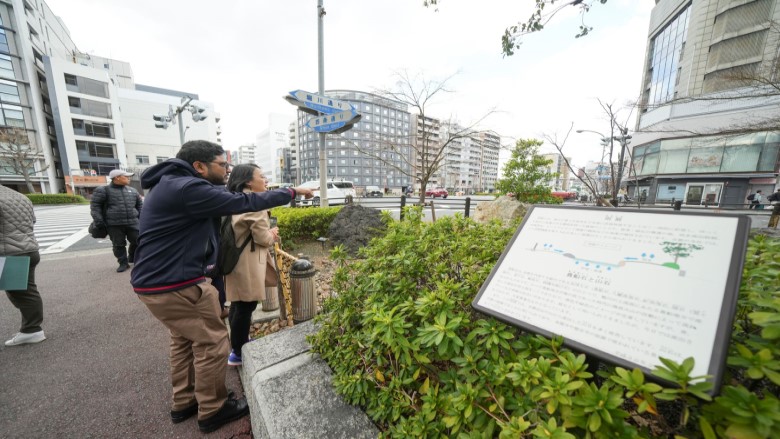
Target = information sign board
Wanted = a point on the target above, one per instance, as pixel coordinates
(627, 286)
(314, 104)
(333, 123)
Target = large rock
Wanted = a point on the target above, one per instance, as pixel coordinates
(506, 209)
(354, 226)
(290, 393)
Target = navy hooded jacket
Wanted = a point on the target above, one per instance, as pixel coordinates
(179, 227)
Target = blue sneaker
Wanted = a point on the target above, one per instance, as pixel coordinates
(234, 360)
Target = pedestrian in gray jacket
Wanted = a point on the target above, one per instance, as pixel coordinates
(17, 239)
(117, 206)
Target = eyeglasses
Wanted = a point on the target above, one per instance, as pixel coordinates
(225, 165)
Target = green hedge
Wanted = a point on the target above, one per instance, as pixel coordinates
(303, 224)
(405, 345)
(56, 199)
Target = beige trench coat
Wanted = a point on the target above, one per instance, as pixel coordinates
(246, 283)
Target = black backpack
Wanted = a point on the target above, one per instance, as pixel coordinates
(228, 254)
(751, 197)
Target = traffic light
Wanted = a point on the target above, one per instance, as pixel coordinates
(162, 121)
(197, 113)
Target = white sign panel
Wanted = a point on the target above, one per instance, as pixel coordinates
(628, 286)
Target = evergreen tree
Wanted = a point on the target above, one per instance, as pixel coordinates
(525, 174)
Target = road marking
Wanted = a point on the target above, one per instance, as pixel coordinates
(67, 242)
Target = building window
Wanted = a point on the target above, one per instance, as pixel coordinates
(664, 56)
(74, 102)
(142, 159)
(70, 80)
(94, 149)
(161, 159)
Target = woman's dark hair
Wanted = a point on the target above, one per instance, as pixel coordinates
(199, 151)
(240, 176)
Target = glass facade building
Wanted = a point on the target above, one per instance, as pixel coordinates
(706, 133)
(665, 51)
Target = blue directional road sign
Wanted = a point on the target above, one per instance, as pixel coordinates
(334, 123)
(314, 104)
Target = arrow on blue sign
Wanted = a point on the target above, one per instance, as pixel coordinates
(313, 103)
(334, 123)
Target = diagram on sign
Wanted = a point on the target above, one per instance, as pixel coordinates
(677, 250)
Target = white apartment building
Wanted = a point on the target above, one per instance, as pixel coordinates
(469, 164)
(245, 154)
(269, 142)
(558, 167)
(292, 139)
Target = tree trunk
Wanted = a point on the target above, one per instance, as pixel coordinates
(27, 180)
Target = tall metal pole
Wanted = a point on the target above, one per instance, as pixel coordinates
(181, 128)
(321, 69)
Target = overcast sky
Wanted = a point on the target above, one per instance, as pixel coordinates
(244, 55)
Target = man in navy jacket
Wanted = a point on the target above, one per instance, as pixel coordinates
(176, 248)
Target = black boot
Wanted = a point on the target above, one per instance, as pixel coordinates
(123, 265)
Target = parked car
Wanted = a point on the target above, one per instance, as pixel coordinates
(437, 192)
(339, 192)
(373, 191)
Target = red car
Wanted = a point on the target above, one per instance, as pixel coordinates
(438, 192)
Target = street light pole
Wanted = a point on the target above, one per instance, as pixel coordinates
(165, 120)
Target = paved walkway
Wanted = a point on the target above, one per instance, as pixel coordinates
(102, 372)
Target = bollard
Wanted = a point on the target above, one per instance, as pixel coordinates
(677, 205)
(304, 297)
(403, 204)
(271, 301)
(280, 296)
(468, 206)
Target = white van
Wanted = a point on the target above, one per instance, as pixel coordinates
(339, 192)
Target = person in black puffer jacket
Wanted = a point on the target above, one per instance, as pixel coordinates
(118, 206)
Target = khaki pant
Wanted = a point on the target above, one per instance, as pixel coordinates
(199, 346)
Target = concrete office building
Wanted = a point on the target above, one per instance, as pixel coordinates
(84, 114)
(373, 153)
(146, 145)
(704, 134)
(29, 32)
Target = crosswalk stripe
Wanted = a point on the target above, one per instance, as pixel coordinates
(59, 227)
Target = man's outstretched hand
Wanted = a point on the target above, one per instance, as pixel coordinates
(305, 192)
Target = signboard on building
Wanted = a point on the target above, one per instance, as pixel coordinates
(626, 286)
(86, 180)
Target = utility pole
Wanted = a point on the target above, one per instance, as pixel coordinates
(321, 84)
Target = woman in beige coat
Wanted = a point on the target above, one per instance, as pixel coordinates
(245, 285)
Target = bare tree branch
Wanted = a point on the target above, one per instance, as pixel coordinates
(428, 146)
(20, 155)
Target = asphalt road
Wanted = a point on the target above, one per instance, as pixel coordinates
(103, 370)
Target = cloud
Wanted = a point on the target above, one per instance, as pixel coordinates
(245, 55)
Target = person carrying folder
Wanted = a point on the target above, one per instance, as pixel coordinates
(17, 239)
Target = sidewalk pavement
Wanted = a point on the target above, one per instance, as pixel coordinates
(103, 370)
